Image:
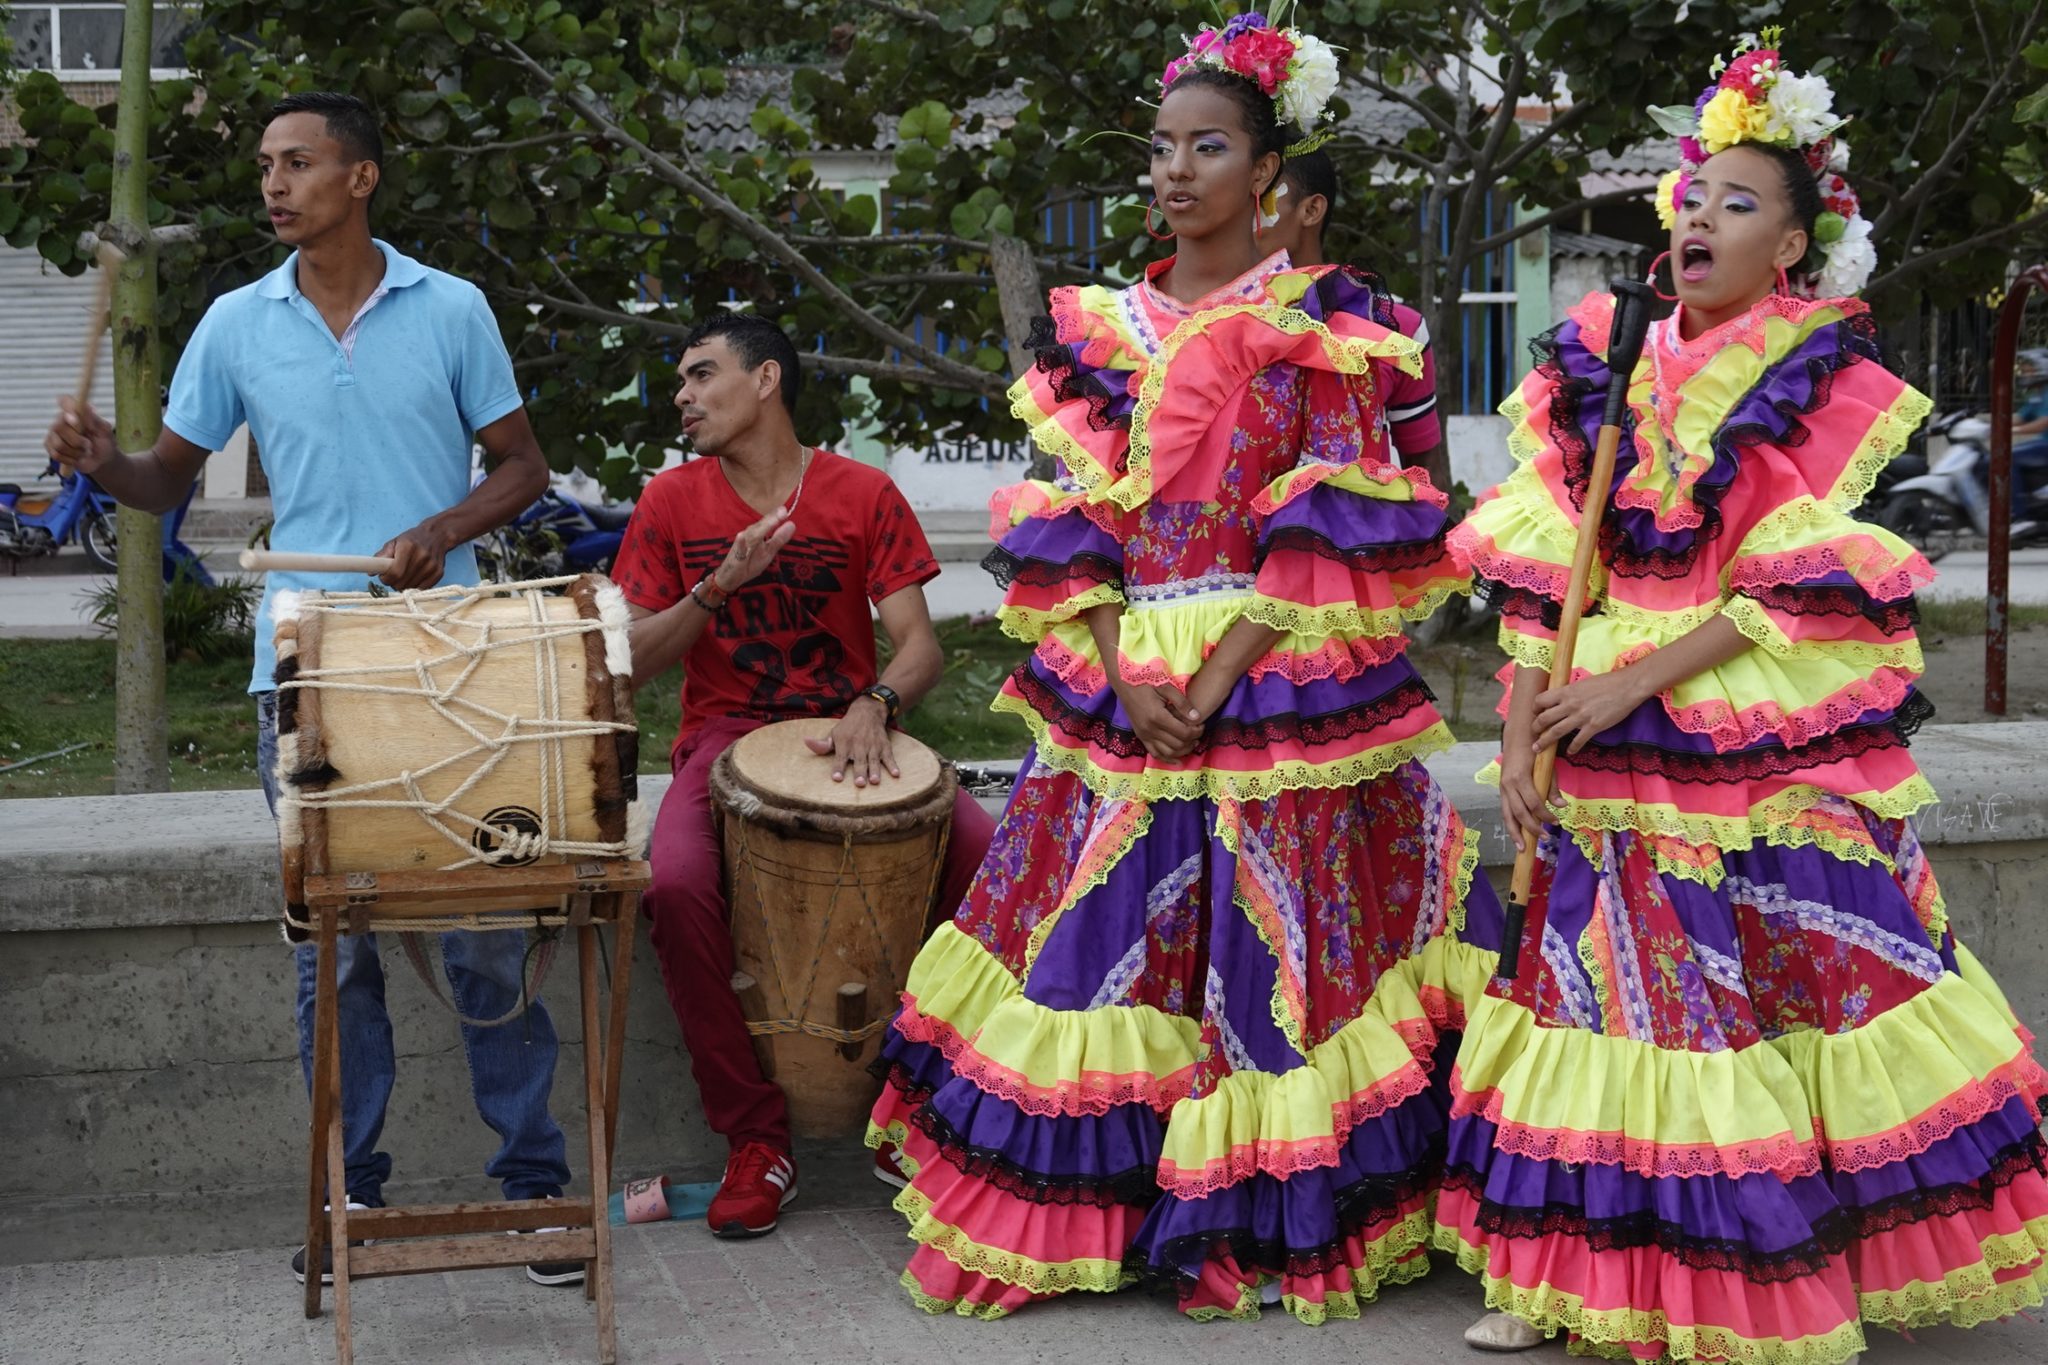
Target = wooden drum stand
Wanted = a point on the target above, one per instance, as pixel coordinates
(428, 1238)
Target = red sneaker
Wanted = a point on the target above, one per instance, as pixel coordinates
(758, 1181)
(889, 1167)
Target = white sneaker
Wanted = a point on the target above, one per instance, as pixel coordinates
(553, 1272)
(1502, 1332)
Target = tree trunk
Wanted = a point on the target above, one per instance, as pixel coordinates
(141, 763)
(1022, 295)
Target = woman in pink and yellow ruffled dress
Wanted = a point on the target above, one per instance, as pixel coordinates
(1182, 1030)
(1747, 1092)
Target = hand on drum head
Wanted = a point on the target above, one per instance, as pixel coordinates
(859, 744)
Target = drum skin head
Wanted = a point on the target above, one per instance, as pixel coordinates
(776, 763)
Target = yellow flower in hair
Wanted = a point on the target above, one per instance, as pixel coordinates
(1667, 198)
(1730, 118)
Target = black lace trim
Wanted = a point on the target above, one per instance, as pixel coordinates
(2029, 1154)
(1634, 1231)
(1137, 1187)
(1761, 762)
(1063, 371)
(1366, 1204)
(1399, 554)
(1893, 618)
(1008, 567)
(898, 1077)
(1857, 341)
(1523, 604)
(1262, 733)
(1382, 298)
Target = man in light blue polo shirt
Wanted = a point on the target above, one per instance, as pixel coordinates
(364, 377)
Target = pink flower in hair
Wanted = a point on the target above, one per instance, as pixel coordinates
(1743, 73)
(1263, 55)
(1690, 151)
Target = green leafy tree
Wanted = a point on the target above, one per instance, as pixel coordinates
(559, 154)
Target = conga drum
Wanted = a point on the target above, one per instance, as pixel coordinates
(830, 887)
(475, 730)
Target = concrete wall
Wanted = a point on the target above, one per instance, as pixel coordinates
(149, 1087)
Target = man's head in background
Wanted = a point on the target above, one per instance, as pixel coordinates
(1309, 197)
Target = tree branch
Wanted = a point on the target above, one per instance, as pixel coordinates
(940, 368)
(1443, 126)
(1958, 143)
(824, 364)
(480, 148)
(1912, 265)
(908, 13)
(1529, 146)
(1556, 215)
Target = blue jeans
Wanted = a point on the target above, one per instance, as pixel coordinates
(511, 1067)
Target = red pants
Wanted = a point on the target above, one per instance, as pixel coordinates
(692, 936)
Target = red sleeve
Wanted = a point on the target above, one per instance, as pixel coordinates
(1411, 402)
(648, 569)
(898, 554)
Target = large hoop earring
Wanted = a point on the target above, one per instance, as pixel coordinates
(1784, 281)
(1165, 236)
(1668, 298)
(1258, 218)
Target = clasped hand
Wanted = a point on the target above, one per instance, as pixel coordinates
(1170, 722)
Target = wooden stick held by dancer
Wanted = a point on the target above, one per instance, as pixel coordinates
(1633, 301)
(111, 258)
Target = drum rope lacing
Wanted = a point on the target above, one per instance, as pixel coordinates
(831, 1032)
(549, 729)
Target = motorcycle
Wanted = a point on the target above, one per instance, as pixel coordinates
(34, 524)
(1949, 507)
(557, 535)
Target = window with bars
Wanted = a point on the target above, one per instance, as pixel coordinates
(82, 41)
(1486, 365)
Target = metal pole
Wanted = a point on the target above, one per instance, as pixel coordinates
(1998, 585)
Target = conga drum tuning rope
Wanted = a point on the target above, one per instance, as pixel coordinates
(548, 728)
(801, 1004)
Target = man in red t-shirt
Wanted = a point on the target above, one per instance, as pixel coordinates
(755, 565)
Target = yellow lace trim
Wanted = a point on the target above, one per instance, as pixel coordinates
(985, 1312)
(1031, 626)
(1527, 651)
(1152, 784)
(1671, 624)
(1461, 880)
(1038, 1277)
(1881, 444)
(1348, 618)
(1753, 619)
(1766, 819)
(1347, 356)
(1972, 1295)
(1054, 439)
(1551, 1310)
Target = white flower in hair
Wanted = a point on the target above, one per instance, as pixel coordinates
(1851, 260)
(1838, 159)
(1311, 81)
(1799, 110)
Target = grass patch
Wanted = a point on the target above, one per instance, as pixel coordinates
(59, 692)
(1965, 616)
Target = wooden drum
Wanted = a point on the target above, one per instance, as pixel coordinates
(474, 730)
(830, 887)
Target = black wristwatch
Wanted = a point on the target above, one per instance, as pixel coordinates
(891, 703)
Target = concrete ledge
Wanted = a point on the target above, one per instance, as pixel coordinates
(150, 1093)
(194, 858)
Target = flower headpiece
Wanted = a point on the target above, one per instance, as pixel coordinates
(1756, 98)
(1296, 70)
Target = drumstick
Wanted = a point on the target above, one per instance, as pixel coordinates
(272, 561)
(110, 258)
(1631, 321)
